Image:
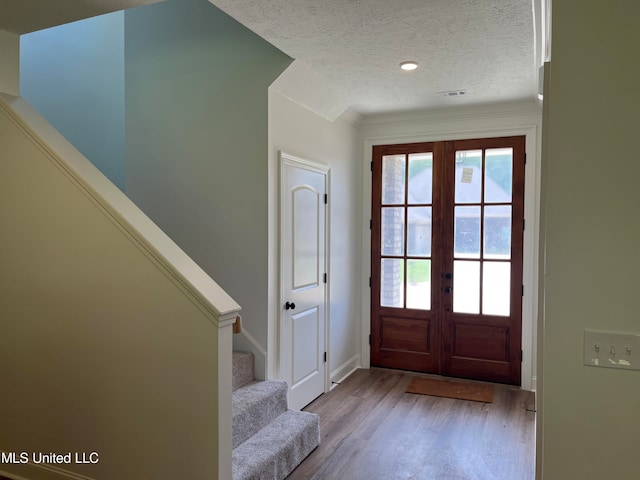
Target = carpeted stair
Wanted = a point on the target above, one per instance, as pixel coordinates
(269, 440)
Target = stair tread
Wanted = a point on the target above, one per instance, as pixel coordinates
(255, 405)
(256, 389)
(279, 447)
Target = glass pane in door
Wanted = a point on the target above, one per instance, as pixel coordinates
(497, 232)
(420, 178)
(392, 231)
(496, 291)
(498, 175)
(466, 286)
(468, 176)
(392, 282)
(419, 284)
(466, 232)
(419, 232)
(393, 179)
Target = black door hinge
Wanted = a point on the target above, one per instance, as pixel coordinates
(523, 290)
(372, 166)
(523, 224)
(369, 282)
(325, 357)
(369, 339)
(521, 355)
(525, 158)
(325, 278)
(326, 198)
(370, 224)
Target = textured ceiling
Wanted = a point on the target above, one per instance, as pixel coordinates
(25, 16)
(486, 47)
(347, 51)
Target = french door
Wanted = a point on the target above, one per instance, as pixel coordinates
(446, 257)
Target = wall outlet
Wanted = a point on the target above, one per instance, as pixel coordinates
(612, 349)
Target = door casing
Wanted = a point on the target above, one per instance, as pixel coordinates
(486, 123)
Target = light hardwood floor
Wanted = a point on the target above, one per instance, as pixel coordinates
(371, 429)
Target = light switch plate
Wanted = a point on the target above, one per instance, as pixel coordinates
(612, 349)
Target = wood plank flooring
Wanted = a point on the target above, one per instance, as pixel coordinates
(371, 429)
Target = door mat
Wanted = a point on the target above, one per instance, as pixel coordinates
(477, 392)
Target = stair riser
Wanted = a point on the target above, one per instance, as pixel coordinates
(243, 369)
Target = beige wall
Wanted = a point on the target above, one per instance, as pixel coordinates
(99, 349)
(591, 418)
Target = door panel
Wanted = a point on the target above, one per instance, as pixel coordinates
(447, 257)
(480, 341)
(306, 325)
(303, 268)
(305, 206)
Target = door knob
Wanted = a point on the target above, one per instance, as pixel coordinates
(289, 306)
(448, 276)
(448, 289)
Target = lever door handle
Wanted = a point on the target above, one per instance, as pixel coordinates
(289, 306)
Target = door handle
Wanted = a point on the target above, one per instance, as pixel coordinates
(448, 289)
(448, 276)
(289, 306)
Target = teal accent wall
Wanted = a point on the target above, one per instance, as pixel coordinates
(196, 86)
(170, 102)
(73, 75)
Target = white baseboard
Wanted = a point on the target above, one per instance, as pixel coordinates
(34, 471)
(344, 370)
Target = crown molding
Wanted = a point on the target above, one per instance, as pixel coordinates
(419, 117)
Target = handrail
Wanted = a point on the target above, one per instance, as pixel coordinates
(195, 283)
(237, 325)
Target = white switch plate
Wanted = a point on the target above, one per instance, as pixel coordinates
(612, 349)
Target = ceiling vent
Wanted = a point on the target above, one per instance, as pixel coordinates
(454, 93)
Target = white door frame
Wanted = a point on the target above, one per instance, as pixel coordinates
(288, 159)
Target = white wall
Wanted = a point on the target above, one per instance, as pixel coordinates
(74, 76)
(102, 348)
(300, 132)
(9, 63)
(591, 416)
(460, 123)
(196, 120)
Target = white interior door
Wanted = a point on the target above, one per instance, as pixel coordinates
(303, 214)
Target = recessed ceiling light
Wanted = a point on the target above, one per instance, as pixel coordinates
(409, 65)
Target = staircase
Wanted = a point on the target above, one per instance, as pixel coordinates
(269, 440)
